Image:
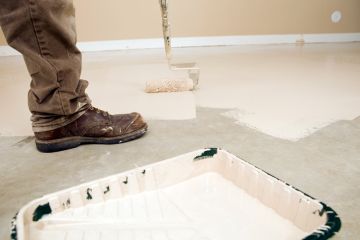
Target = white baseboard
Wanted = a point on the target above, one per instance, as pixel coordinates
(207, 41)
(8, 51)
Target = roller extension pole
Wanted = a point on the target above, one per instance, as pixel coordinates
(193, 71)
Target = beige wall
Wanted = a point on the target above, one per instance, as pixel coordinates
(120, 19)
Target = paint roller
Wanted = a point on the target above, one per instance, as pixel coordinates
(188, 83)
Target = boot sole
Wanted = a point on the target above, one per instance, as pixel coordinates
(73, 142)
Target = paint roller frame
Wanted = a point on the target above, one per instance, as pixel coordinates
(192, 68)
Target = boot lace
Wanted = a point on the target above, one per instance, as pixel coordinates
(104, 113)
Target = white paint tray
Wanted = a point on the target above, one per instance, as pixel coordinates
(207, 194)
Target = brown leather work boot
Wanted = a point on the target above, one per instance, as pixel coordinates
(94, 126)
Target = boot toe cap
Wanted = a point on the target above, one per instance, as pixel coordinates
(137, 122)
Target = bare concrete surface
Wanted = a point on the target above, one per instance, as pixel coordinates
(325, 165)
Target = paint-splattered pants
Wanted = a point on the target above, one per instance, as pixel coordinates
(44, 32)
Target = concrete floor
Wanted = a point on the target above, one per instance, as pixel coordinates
(290, 110)
(325, 165)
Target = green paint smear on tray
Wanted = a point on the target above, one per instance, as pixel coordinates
(40, 211)
(206, 154)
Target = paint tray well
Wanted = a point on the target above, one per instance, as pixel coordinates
(207, 194)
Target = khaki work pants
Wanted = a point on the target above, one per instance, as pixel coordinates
(43, 31)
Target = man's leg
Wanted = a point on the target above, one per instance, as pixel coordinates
(44, 32)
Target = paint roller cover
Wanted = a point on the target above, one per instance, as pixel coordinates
(169, 85)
